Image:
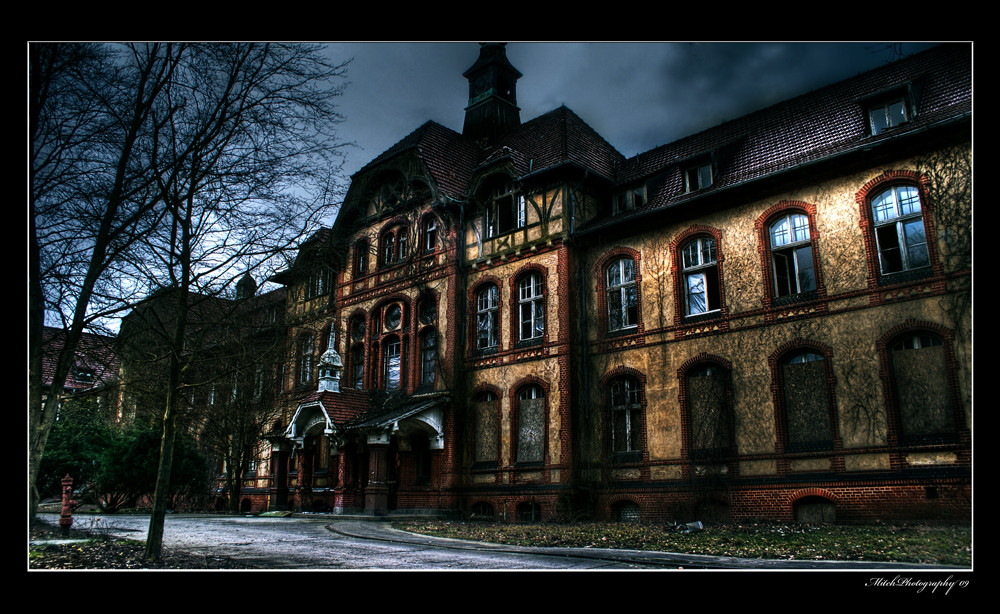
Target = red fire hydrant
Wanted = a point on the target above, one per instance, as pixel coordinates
(66, 516)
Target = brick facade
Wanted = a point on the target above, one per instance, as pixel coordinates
(536, 200)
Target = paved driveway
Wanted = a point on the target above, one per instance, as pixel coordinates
(306, 543)
(325, 543)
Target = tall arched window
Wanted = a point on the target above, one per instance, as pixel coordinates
(922, 389)
(791, 255)
(625, 416)
(361, 257)
(710, 421)
(899, 229)
(487, 317)
(808, 424)
(530, 419)
(623, 302)
(700, 275)
(392, 375)
(305, 358)
(394, 245)
(356, 356)
(429, 233)
(487, 412)
(531, 307)
(428, 357)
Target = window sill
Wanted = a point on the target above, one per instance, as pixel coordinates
(793, 299)
(528, 343)
(622, 332)
(702, 317)
(902, 277)
(626, 458)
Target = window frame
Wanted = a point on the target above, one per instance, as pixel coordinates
(898, 219)
(884, 106)
(530, 390)
(632, 409)
(629, 200)
(306, 350)
(535, 302)
(957, 431)
(617, 294)
(394, 245)
(701, 268)
(430, 239)
(428, 351)
(319, 282)
(788, 354)
(489, 310)
(361, 247)
(788, 210)
(501, 216)
(727, 452)
(695, 175)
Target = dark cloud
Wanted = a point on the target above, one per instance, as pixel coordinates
(636, 95)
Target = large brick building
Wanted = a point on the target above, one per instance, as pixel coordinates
(770, 318)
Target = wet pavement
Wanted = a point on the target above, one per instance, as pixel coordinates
(323, 542)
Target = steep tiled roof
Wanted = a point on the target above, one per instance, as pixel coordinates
(95, 356)
(555, 138)
(813, 126)
(450, 157)
(343, 406)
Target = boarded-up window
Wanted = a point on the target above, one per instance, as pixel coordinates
(922, 387)
(708, 403)
(486, 409)
(530, 425)
(807, 413)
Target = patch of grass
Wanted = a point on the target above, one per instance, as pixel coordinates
(905, 543)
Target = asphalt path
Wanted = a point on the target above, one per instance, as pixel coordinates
(323, 542)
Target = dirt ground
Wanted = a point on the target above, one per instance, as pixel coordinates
(103, 552)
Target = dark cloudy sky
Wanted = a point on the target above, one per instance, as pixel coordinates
(636, 95)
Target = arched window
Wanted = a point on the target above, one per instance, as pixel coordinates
(487, 412)
(530, 418)
(899, 229)
(429, 233)
(791, 255)
(922, 390)
(709, 413)
(305, 358)
(531, 307)
(361, 257)
(487, 317)
(428, 357)
(394, 245)
(700, 275)
(623, 301)
(625, 416)
(808, 424)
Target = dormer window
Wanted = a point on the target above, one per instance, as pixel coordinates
(698, 176)
(630, 200)
(887, 114)
(505, 210)
(319, 283)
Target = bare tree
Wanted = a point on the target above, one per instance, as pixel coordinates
(253, 149)
(92, 195)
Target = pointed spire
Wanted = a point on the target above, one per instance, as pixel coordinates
(330, 366)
